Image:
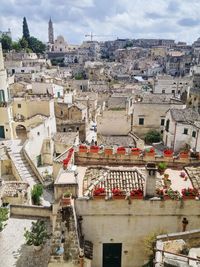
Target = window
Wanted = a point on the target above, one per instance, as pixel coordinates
(163, 91)
(162, 122)
(161, 131)
(2, 96)
(64, 129)
(38, 133)
(61, 112)
(185, 131)
(141, 121)
(19, 105)
(167, 126)
(194, 134)
(173, 91)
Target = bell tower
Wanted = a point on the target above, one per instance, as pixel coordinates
(50, 32)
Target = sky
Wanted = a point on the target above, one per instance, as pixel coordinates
(112, 19)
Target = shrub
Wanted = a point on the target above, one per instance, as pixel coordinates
(162, 166)
(150, 242)
(36, 193)
(152, 136)
(3, 217)
(38, 234)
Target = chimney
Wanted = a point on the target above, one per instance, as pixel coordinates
(150, 183)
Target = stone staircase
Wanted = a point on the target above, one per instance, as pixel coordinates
(22, 167)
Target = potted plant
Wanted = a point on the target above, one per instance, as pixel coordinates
(171, 194)
(135, 151)
(66, 198)
(117, 193)
(150, 152)
(38, 235)
(36, 193)
(162, 166)
(121, 150)
(168, 153)
(137, 194)
(99, 192)
(189, 193)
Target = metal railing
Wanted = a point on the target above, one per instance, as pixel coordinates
(178, 255)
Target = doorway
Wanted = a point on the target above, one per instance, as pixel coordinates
(112, 253)
(2, 132)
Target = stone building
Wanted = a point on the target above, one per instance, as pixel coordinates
(71, 118)
(149, 111)
(182, 129)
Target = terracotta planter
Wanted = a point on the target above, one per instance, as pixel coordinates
(37, 248)
(136, 197)
(150, 154)
(66, 200)
(135, 153)
(83, 150)
(118, 196)
(121, 152)
(188, 197)
(166, 197)
(94, 150)
(184, 155)
(101, 196)
(108, 151)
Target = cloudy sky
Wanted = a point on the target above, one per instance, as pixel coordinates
(178, 19)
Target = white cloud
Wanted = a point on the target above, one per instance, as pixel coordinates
(178, 19)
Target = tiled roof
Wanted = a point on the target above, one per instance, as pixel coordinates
(110, 178)
(185, 115)
(194, 175)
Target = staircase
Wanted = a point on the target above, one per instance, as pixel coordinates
(22, 167)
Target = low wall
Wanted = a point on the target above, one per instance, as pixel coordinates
(88, 158)
(30, 211)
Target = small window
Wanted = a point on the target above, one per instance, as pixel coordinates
(38, 133)
(185, 131)
(194, 134)
(162, 122)
(161, 131)
(141, 121)
(64, 129)
(19, 105)
(61, 112)
(163, 91)
(173, 91)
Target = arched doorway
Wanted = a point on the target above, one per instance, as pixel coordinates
(21, 132)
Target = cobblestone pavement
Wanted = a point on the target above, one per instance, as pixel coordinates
(14, 252)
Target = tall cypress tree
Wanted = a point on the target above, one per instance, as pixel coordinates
(26, 34)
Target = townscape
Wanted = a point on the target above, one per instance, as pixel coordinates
(99, 152)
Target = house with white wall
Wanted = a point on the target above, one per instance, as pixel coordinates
(182, 128)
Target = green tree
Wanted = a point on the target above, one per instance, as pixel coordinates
(23, 43)
(16, 46)
(36, 45)
(36, 193)
(152, 136)
(6, 42)
(26, 33)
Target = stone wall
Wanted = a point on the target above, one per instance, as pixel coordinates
(88, 158)
(116, 221)
(30, 211)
